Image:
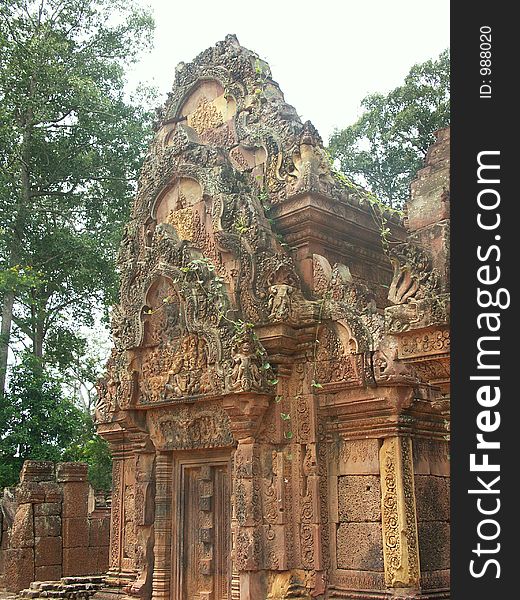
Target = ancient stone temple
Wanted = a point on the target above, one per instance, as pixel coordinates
(277, 398)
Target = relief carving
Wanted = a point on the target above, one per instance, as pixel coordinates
(400, 546)
(206, 116)
(185, 428)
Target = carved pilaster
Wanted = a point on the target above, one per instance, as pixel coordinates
(162, 529)
(400, 543)
(116, 512)
(248, 517)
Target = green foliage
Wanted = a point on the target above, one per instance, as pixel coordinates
(36, 420)
(71, 144)
(386, 146)
(93, 450)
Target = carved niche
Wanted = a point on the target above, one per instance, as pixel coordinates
(337, 359)
(174, 206)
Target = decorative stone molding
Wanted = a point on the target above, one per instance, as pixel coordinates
(400, 542)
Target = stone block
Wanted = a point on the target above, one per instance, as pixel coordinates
(75, 499)
(75, 532)
(99, 532)
(53, 491)
(47, 551)
(71, 471)
(431, 457)
(47, 526)
(359, 498)
(434, 545)
(360, 546)
(37, 470)
(358, 457)
(101, 559)
(48, 573)
(47, 509)
(79, 561)
(29, 492)
(22, 532)
(432, 497)
(19, 568)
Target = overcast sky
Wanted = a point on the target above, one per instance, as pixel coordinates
(325, 54)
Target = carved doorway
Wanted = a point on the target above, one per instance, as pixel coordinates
(202, 529)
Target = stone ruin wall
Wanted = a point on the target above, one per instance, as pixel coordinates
(277, 399)
(52, 526)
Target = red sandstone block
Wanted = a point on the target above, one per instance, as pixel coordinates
(75, 532)
(19, 568)
(29, 492)
(48, 526)
(47, 508)
(75, 499)
(101, 559)
(48, 573)
(53, 491)
(22, 535)
(47, 551)
(79, 561)
(99, 532)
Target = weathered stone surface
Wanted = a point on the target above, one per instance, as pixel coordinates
(298, 382)
(433, 498)
(101, 559)
(434, 545)
(359, 457)
(37, 470)
(47, 551)
(22, 533)
(47, 509)
(359, 498)
(48, 573)
(71, 471)
(79, 561)
(47, 526)
(75, 532)
(99, 532)
(75, 500)
(360, 546)
(19, 568)
(32, 530)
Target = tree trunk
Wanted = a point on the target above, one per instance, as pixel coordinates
(5, 335)
(38, 337)
(22, 205)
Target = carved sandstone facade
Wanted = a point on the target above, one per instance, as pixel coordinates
(276, 399)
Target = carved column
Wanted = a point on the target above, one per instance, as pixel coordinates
(400, 542)
(163, 524)
(245, 412)
(116, 526)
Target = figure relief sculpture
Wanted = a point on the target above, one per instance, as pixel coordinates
(245, 372)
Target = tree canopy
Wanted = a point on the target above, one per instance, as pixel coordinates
(386, 146)
(70, 148)
(71, 143)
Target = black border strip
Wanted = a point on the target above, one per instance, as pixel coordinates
(482, 124)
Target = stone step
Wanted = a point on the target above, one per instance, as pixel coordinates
(72, 588)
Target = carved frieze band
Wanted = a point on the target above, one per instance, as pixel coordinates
(400, 542)
(425, 344)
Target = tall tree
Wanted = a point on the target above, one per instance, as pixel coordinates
(386, 146)
(70, 148)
